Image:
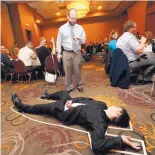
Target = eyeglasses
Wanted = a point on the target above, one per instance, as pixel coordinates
(74, 19)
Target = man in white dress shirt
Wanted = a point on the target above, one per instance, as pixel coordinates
(70, 37)
(27, 55)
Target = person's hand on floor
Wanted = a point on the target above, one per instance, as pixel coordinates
(127, 140)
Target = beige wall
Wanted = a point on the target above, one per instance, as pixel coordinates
(7, 36)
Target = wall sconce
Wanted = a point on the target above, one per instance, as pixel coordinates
(37, 21)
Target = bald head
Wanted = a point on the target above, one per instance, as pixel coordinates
(72, 16)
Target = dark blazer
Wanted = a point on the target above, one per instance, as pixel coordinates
(8, 64)
(42, 53)
(108, 60)
(91, 116)
(119, 71)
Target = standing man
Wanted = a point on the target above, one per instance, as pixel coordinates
(70, 37)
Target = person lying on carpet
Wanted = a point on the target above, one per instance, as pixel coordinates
(86, 112)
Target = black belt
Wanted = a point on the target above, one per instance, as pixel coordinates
(138, 59)
(131, 61)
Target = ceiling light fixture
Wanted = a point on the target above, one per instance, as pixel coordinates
(82, 7)
(37, 21)
(99, 7)
(58, 13)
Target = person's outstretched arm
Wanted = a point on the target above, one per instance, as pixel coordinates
(102, 144)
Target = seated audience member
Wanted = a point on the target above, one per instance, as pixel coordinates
(6, 62)
(42, 51)
(148, 44)
(138, 36)
(7, 52)
(129, 44)
(89, 48)
(86, 56)
(106, 40)
(149, 47)
(93, 115)
(112, 40)
(102, 53)
(27, 55)
(15, 51)
(52, 46)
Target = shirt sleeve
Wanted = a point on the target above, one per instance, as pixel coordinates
(59, 42)
(133, 43)
(102, 144)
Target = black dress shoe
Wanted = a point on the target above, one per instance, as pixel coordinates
(69, 90)
(17, 102)
(44, 95)
(80, 90)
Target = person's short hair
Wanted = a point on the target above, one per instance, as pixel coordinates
(123, 119)
(71, 10)
(28, 42)
(128, 25)
(149, 33)
(42, 38)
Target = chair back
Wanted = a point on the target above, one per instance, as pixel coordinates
(51, 63)
(19, 66)
(108, 60)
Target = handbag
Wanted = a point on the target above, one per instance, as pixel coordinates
(49, 77)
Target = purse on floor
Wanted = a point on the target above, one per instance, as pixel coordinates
(49, 77)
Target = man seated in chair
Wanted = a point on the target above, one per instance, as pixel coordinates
(131, 47)
(86, 112)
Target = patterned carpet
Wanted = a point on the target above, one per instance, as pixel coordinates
(25, 134)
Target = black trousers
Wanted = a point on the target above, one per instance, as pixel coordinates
(55, 109)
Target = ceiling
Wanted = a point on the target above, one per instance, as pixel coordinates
(53, 9)
(46, 11)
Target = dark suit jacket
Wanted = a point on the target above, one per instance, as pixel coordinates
(9, 67)
(92, 117)
(42, 53)
(119, 71)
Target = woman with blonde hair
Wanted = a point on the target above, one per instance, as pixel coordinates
(112, 40)
(42, 50)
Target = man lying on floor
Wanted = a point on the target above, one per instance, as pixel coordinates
(86, 112)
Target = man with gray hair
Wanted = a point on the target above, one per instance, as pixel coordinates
(70, 37)
(133, 49)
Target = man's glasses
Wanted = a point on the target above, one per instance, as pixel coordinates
(74, 19)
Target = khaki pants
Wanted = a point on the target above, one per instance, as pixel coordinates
(72, 63)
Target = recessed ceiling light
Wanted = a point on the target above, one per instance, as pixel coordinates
(99, 7)
(58, 13)
(27, 24)
(37, 21)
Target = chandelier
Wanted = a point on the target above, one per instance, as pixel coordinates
(82, 7)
